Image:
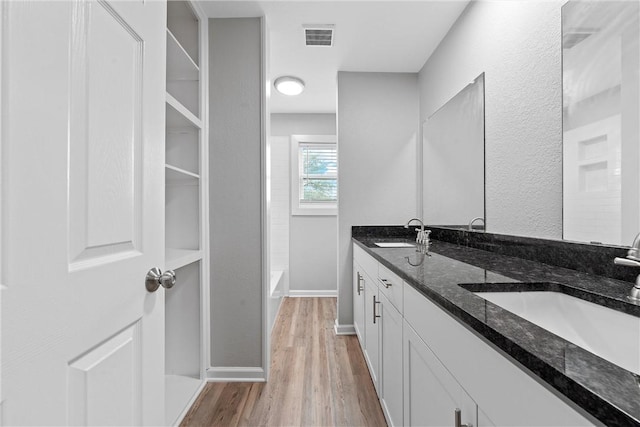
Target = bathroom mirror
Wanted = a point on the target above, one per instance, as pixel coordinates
(453, 160)
(601, 147)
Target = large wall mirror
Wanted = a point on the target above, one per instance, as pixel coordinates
(453, 160)
(601, 115)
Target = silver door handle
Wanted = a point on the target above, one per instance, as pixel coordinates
(375, 316)
(386, 283)
(359, 281)
(156, 278)
(458, 419)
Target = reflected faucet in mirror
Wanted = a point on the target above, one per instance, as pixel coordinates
(423, 235)
(478, 218)
(632, 260)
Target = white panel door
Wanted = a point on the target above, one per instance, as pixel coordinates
(83, 202)
(358, 303)
(390, 360)
(371, 327)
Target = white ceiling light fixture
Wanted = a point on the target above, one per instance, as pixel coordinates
(289, 85)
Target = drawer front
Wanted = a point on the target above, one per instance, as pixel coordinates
(391, 285)
(366, 261)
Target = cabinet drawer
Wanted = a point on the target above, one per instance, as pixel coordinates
(366, 261)
(391, 285)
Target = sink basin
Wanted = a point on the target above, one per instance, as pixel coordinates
(393, 245)
(610, 334)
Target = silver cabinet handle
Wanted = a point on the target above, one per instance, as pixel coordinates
(156, 278)
(375, 316)
(359, 282)
(386, 283)
(458, 419)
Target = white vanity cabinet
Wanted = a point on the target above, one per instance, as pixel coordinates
(425, 364)
(390, 336)
(432, 395)
(371, 330)
(505, 394)
(381, 293)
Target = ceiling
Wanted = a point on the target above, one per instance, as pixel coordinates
(369, 36)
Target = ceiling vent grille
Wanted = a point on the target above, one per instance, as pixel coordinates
(318, 35)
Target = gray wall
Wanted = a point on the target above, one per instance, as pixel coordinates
(377, 134)
(235, 192)
(312, 239)
(518, 46)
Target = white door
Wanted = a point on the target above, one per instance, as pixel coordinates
(83, 215)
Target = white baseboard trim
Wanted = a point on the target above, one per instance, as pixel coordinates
(344, 329)
(235, 374)
(318, 293)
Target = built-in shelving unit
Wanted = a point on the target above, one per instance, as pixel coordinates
(184, 214)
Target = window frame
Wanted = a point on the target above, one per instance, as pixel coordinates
(317, 208)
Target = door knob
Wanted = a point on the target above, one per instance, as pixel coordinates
(156, 278)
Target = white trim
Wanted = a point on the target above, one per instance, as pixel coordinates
(190, 403)
(308, 209)
(205, 303)
(236, 374)
(298, 293)
(344, 329)
(265, 201)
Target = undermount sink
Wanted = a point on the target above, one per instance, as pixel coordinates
(394, 245)
(610, 334)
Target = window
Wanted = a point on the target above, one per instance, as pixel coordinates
(314, 175)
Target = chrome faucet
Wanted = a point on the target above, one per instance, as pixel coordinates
(423, 235)
(474, 220)
(632, 260)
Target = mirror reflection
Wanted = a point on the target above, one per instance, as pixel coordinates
(453, 161)
(601, 151)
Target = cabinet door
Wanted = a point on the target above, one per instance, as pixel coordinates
(390, 361)
(358, 302)
(431, 394)
(371, 324)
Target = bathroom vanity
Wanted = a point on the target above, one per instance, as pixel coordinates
(440, 354)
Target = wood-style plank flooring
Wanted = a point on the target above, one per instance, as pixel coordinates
(317, 378)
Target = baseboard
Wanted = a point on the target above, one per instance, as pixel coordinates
(344, 329)
(317, 293)
(235, 374)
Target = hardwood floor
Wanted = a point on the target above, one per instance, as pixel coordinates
(317, 378)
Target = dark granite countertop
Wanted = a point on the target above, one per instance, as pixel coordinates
(608, 392)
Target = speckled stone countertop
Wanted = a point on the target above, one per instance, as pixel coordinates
(609, 393)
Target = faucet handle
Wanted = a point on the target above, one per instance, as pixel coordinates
(626, 262)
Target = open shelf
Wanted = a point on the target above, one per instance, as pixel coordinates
(181, 66)
(179, 392)
(176, 258)
(183, 24)
(178, 116)
(176, 174)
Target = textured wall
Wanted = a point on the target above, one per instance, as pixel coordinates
(310, 242)
(377, 132)
(518, 46)
(235, 192)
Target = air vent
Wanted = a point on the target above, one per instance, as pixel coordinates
(573, 37)
(318, 35)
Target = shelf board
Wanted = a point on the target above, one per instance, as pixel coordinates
(180, 66)
(176, 258)
(178, 116)
(176, 173)
(180, 392)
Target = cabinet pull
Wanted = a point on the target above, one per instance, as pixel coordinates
(374, 309)
(385, 283)
(359, 282)
(458, 419)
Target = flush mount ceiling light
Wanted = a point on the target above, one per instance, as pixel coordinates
(289, 85)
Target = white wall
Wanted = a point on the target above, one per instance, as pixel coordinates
(518, 46)
(377, 135)
(306, 245)
(235, 195)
